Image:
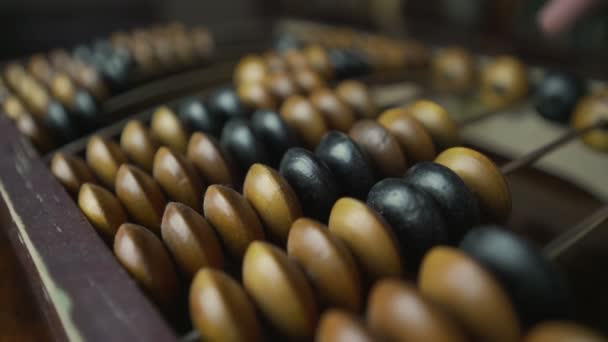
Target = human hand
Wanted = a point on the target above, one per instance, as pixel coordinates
(558, 16)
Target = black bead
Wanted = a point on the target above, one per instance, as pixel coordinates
(242, 145)
(285, 42)
(197, 117)
(557, 95)
(347, 161)
(348, 64)
(86, 110)
(227, 104)
(84, 53)
(312, 181)
(58, 120)
(274, 133)
(457, 203)
(535, 286)
(413, 215)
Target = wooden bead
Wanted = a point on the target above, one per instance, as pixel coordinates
(273, 200)
(141, 195)
(413, 138)
(37, 133)
(102, 209)
(63, 89)
(274, 133)
(202, 42)
(437, 122)
(337, 114)
(483, 178)
(178, 178)
(210, 160)
(461, 287)
(168, 129)
(318, 59)
(40, 68)
(296, 60)
(381, 146)
(562, 331)
(330, 267)
(71, 172)
(289, 304)
(233, 219)
(396, 311)
(305, 119)
(356, 95)
(255, 95)
(308, 80)
(281, 84)
(453, 71)
(13, 108)
(104, 157)
(503, 82)
(360, 227)
(274, 62)
(250, 68)
(589, 111)
(243, 146)
(221, 310)
(138, 144)
(413, 215)
(341, 326)
(190, 239)
(146, 259)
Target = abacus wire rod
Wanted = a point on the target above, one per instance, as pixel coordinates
(191, 336)
(570, 237)
(535, 155)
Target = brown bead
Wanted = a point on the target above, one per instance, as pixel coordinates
(36, 98)
(221, 310)
(63, 89)
(190, 239)
(40, 68)
(202, 42)
(360, 227)
(250, 68)
(306, 121)
(256, 96)
(289, 303)
(146, 259)
(141, 195)
(273, 199)
(89, 78)
(102, 209)
(341, 326)
(138, 144)
(178, 178)
(37, 133)
(396, 311)
(308, 80)
(327, 262)
(483, 178)
(562, 332)
(14, 73)
(381, 146)
(318, 59)
(169, 129)
(503, 82)
(413, 138)
(274, 62)
(357, 96)
(13, 108)
(104, 157)
(590, 110)
(453, 71)
(296, 60)
(437, 122)
(337, 114)
(461, 287)
(281, 84)
(71, 171)
(183, 48)
(210, 160)
(233, 218)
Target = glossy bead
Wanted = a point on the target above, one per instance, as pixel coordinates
(348, 63)
(483, 178)
(138, 144)
(453, 71)
(337, 114)
(58, 119)
(198, 117)
(250, 68)
(413, 138)
(356, 95)
(190, 239)
(589, 111)
(37, 133)
(296, 60)
(233, 218)
(318, 59)
(274, 62)
(360, 227)
(308, 80)
(255, 95)
(396, 311)
(503, 82)
(562, 331)
(102, 209)
(463, 289)
(381, 146)
(304, 119)
(457, 203)
(327, 262)
(210, 160)
(13, 108)
(437, 122)
(169, 129)
(347, 162)
(534, 285)
(71, 172)
(146, 259)
(178, 178)
(202, 42)
(141, 195)
(104, 157)
(225, 103)
(415, 218)
(221, 310)
(314, 184)
(274, 133)
(241, 143)
(340, 326)
(557, 95)
(289, 304)
(281, 85)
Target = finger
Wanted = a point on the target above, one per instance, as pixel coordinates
(560, 15)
